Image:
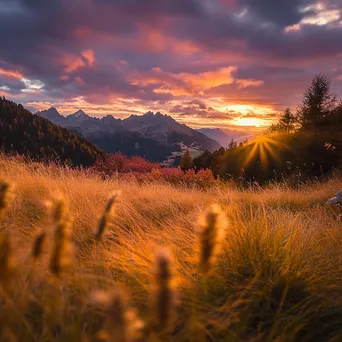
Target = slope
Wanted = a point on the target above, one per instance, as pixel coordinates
(30, 135)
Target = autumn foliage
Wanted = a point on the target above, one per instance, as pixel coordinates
(145, 171)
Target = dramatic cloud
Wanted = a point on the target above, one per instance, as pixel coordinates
(205, 62)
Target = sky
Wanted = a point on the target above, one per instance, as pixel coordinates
(207, 63)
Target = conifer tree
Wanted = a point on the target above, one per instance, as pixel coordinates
(187, 162)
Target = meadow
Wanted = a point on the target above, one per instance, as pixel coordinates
(266, 268)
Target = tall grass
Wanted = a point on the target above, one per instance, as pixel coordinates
(276, 276)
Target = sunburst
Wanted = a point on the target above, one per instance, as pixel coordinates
(265, 147)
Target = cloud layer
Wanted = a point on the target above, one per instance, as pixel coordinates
(206, 62)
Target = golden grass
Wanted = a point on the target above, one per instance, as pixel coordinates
(278, 275)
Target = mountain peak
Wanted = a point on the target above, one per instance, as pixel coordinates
(157, 115)
(79, 113)
(51, 114)
(109, 119)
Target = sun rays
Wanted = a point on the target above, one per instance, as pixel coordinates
(265, 148)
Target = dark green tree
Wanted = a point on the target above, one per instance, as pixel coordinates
(287, 121)
(318, 102)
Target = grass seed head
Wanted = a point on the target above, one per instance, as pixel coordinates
(107, 215)
(62, 248)
(6, 197)
(7, 261)
(163, 295)
(38, 245)
(122, 323)
(213, 225)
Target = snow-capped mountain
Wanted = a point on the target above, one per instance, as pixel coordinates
(165, 129)
(154, 136)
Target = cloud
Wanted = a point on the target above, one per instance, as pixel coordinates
(198, 109)
(279, 13)
(191, 58)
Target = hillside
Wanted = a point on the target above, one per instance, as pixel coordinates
(277, 276)
(152, 136)
(30, 135)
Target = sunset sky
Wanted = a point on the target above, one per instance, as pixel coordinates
(209, 63)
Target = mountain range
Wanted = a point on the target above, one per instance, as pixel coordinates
(156, 137)
(22, 133)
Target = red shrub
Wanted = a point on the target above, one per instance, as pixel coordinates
(140, 165)
(137, 168)
(118, 163)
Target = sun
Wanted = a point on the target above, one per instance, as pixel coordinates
(250, 122)
(248, 115)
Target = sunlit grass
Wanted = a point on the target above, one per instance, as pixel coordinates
(276, 275)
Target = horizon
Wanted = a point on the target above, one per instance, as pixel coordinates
(230, 64)
(227, 128)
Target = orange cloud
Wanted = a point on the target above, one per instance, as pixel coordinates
(209, 79)
(72, 63)
(249, 83)
(4, 93)
(185, 83)
(89, 56)
(11, 73)
(153, 39)
(79, 80)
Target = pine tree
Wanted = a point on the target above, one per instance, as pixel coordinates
(187, 162)
(317, 104)
(287, 121)
(232, 144)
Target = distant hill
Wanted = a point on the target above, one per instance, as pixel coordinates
(223, 137)
(37, 138)
(155, 137)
